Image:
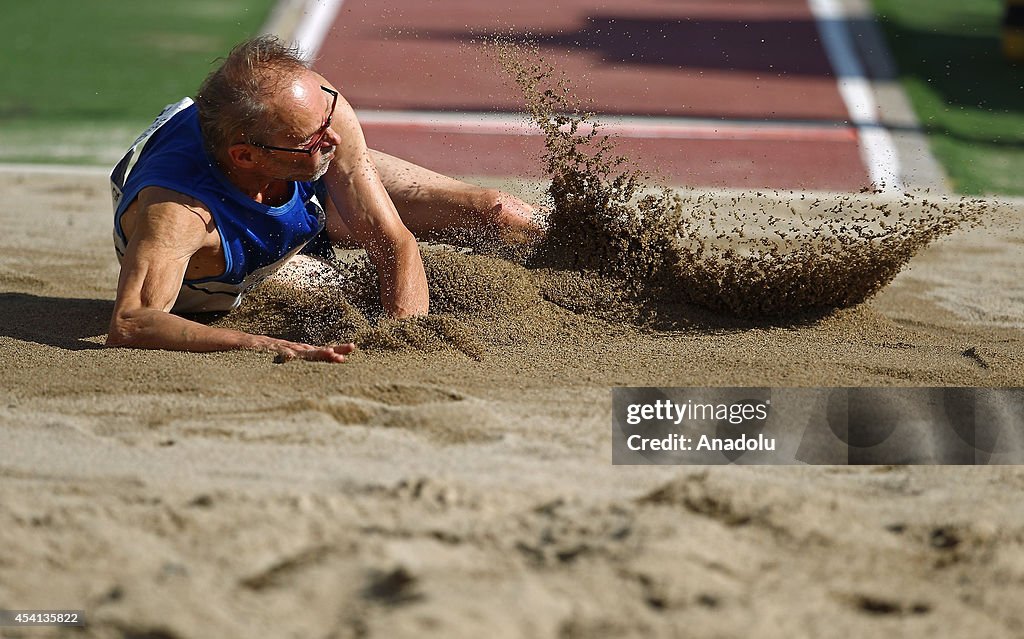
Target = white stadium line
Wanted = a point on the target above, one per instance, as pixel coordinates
(314, 19)
(877, 148)
(317, 19)
(83, 170)
(876, 144)
(651, 127)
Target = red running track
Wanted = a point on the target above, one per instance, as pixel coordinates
(734, 65)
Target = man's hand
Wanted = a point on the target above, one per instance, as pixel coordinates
(287, 351)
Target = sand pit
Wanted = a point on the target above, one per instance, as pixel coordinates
(454, 479)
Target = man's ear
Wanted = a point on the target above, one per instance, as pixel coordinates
(242, 155)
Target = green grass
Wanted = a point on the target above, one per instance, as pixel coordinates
(80, 78)
(968, 98)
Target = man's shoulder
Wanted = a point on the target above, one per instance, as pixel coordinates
(157, 195)
(161, 202)
(168, 219)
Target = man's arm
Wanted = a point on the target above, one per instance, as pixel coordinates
(371, 218)
(166, 236)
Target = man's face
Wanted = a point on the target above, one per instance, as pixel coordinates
(305, 110)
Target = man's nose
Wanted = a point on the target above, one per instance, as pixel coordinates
(331, 138)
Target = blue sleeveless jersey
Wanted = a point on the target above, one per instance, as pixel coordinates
(256, 238)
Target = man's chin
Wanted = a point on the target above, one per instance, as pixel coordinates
(321, 171)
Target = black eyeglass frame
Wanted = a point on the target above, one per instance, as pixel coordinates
(313, 144)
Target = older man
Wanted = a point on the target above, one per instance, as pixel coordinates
(269, 162)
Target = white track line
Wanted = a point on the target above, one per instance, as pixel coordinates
(84, 170)
(317, 19)
(481, 123)
(876, 145)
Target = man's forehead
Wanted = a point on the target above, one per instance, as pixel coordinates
(304, 90)
(300, 105)
(301, 90)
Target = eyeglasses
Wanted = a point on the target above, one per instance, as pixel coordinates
(318, 136)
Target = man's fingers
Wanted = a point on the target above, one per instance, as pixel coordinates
(322, 355)
(332, 353)
(284, 355)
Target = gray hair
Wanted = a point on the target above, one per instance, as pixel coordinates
(232, 100)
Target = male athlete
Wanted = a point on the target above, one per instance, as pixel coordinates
(267, 163)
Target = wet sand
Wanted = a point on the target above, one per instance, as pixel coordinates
(454, 479)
